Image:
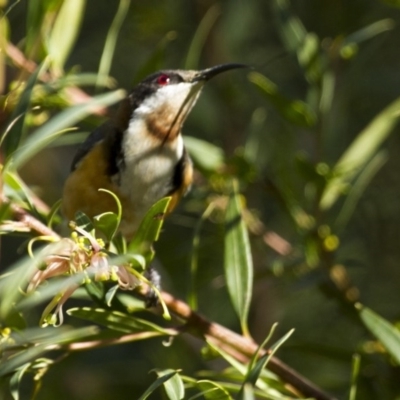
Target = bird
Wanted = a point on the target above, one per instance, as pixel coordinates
(139, 155)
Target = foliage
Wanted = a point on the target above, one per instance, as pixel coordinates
(297, 166)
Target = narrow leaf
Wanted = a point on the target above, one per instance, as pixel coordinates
(295, 111)
(17, 118)
(361, 150)
(65, 31)
(108, 222)
(383, 330)
(149, 229)
(359, 186)
(203, 30)
(213, 391)
(55, 127)
(173, 386)
(116, 320)
(238, 261)
(111, 40)
(156, 384)
(355, 370)
(206, 156)
(16, 380)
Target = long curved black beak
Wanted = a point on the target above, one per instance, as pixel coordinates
(208, 73)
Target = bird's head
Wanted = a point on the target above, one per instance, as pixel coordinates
(164, 99)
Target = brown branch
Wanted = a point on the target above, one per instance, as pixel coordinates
(32, 223)
(204, 328)
(239, 347)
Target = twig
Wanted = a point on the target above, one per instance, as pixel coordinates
(202, 327)
(31, 222)
(235, 344)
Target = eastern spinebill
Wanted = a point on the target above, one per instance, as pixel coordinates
(139, 155)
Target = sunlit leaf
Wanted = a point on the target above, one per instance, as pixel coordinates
(206, 156)
(116, 320)
(111, 40)
(156, 384)
(14, 283)
(238, 259)
(384, 331)
(83, 221)
(65, 31)
(361, 150)
(85, 79)
(174, 386)
(108, 222)
(359, 187)
(15, 381)
(17, 131)
(50, 338)
(149, 230)
(212, 390)
(370, 31)
(295, 111)
(44, 135)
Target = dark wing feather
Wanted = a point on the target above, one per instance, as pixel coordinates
(95, 137)
(111, 137)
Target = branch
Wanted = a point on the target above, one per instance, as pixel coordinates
(30, 222)
(238, 345)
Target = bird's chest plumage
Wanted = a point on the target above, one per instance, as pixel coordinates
(148, 166)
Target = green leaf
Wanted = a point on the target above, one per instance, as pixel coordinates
(238, 260)
(247, 393)
(255, 356)
(297, 40)
(355, 371)
(44, 135)
(359, 186)
(358, 154)
(108, 222)
(116, 320)
(352, 41)
(149, 230)
(213, 391)
(205, 155)
(84, 79)
(15, 380)
(156, 384)
(111, 294)
(65, 31)
(383, 330)
(16, 126)
(295, 111)
(256, 369)
(111, 40)
(44, 340)
(203, 30)
(14, 283)
(83, 221)
(173, 386)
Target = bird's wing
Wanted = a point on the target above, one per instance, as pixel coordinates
(97, 136)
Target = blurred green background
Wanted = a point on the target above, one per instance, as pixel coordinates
(352, 74)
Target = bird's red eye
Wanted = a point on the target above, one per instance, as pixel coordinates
(163, 80)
